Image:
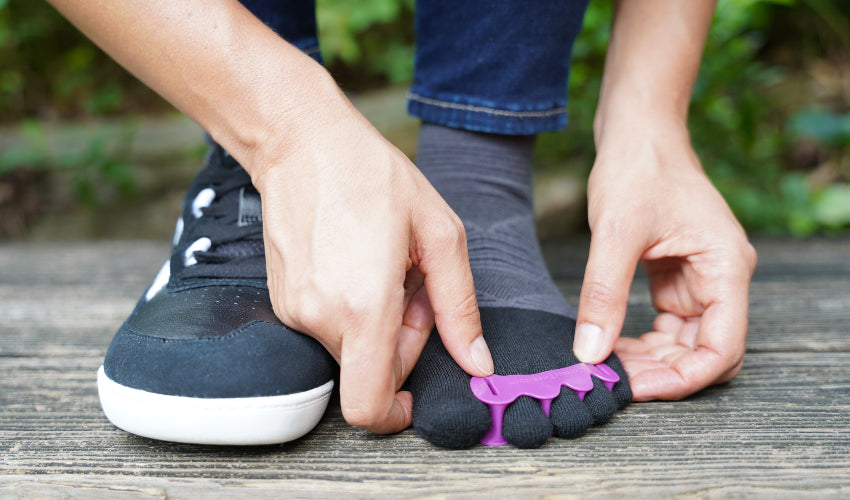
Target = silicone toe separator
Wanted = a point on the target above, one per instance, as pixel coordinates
(498, 391)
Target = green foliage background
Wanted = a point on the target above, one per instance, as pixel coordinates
(770, 114)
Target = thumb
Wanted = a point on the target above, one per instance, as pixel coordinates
(604, 296)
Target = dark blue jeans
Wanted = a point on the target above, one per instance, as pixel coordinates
(491, 66)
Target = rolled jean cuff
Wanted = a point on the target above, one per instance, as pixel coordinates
(469, 113)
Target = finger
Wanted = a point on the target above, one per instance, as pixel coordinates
(671, 286)
(682, 334)
(368, 393)
(367, 369)
(604, 294)
(413, 282)
(720, 342)
(716, 358)
(629, 346)
(667, 322)
(440, 247)
(635, 366)
(416, 327)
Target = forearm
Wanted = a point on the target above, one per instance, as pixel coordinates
(652, 63)
(214, 61)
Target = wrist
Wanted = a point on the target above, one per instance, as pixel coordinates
(295, 120)
(631, 118)
(273, 115)
(644, 144)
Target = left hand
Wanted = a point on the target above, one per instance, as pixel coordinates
(649, 201)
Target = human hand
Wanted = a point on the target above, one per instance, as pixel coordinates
(364, 255)
(357, 241)
(650, 201)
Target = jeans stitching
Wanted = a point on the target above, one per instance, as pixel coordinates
(482, 109)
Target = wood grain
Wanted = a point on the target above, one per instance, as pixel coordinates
(781, 429)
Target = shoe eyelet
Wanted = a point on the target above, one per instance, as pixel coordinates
(202, 200)
(199, 245)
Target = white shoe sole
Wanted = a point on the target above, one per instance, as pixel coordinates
(219, 421)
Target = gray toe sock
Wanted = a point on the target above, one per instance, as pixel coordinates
(486, 179)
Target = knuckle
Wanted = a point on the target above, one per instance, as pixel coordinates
(451, 234)
(350, 318)
(318, 306)
(467, 308)
(442, 238)
(307, 311)
(612, 229)
(598, 296)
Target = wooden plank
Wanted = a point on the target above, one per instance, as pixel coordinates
(780, 429)
(71, 296)
(81, 293)
(781, 424)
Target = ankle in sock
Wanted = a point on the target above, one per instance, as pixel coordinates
(528, 325)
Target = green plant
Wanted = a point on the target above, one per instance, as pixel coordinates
(752, 110)
(49, 69)
(572, 149)
(741, 129)
(738, 118)
(91, 171)
(374, 36)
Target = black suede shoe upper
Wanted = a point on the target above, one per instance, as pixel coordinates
(209, 331)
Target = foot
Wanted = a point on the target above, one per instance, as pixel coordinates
(202, 358)
(527, 323)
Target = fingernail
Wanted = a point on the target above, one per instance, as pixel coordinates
(588, 342)
(481, 355)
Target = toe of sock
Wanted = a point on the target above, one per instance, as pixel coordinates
(622, 392)
(525, 425)
(452, 423)
(600, 402)
(569, 415)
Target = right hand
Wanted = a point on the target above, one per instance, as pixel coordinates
(365, 256)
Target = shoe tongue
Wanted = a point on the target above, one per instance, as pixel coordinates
(247, 201)
(241, 248)
(250, 207)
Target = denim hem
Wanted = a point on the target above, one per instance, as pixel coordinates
(485, 118)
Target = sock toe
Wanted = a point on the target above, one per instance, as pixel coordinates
(621, 392)
(445, 412)
(525, 425)
(451, 422)
(570, 417)
(600, 402)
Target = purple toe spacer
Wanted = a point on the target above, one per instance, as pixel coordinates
(498, 391)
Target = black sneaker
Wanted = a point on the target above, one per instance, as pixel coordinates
(203, 358)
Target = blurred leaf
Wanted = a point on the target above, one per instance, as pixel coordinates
(36, 136)
(745, 130)
(105, 100)
(832, 206)
(822, 126)
(19, 157)
(375, 36)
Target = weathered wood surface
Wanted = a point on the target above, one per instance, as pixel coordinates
(781, 429)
